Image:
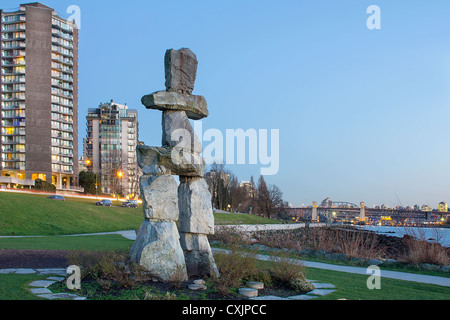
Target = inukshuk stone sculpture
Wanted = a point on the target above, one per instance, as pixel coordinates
(160, 247)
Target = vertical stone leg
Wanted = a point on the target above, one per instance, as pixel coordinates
(198, 256)
(196, 222)
(157, 247)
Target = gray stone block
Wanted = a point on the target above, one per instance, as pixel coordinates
(157, 249)
(160, 198)
(181, 70)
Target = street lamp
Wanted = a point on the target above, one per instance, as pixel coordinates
(119, 176)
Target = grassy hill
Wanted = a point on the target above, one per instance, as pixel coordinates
(27, 214)
(30, 215)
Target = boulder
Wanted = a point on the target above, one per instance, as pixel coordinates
(157, 249)
(181, 70)
(178, 132)
(373, 262)
(196, 107)
(168, 160)
(198, 255)
(160, 198)
(194, 203)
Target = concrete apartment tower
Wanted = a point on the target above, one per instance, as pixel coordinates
(38, 98)
(110, 147)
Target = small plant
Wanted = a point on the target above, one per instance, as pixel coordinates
(234, 266)
(158, 297)
(283, 269)
(178, 277)
(301, 285)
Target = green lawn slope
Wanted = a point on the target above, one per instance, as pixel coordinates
(27, 214)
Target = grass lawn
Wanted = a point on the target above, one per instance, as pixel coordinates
(236, 219)
(15, 286)
(90, 243)
(353, 287)
(26, 214)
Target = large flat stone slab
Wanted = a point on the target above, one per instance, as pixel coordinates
(302, 297)
(61, 296)
(268, 298)
(37, 291)
(42, 283)
(321, 292)
(196, 107)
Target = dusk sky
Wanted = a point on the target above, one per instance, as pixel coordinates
(363, 114)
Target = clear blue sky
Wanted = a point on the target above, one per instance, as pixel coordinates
(363, 114)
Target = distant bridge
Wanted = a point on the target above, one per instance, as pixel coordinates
(353, 211)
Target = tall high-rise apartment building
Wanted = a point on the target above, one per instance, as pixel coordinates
(38, 97)
(110, 147)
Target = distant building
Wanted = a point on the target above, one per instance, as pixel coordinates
(326, 203)
(110, 147)
(248, 187)
(442, 207)
(39, 98)
(425, 207)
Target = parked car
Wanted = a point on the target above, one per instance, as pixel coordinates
(104, 203)
(60, 198)
(130, 204)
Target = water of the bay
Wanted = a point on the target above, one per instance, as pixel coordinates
(442, 235)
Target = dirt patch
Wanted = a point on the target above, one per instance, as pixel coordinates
(35, 259)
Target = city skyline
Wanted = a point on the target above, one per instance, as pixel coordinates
(362, 113)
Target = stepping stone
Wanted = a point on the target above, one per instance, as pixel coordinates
(64, 296)
(25, 271)
(56, 278)
(302, 297)
(248, 292)
(8, 271)
(324, 286)
(38, 291)
(255, 285)
(321, 292)
(55, 271)
(199, 282)
(42, 283)
(196, 287)
(17, 271)
(269, 298)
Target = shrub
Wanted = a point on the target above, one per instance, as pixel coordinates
(230, 235)
(107, 268)
(422, 251)
(42, 185)
(301, 285)
(284, 269)
(233, 266)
